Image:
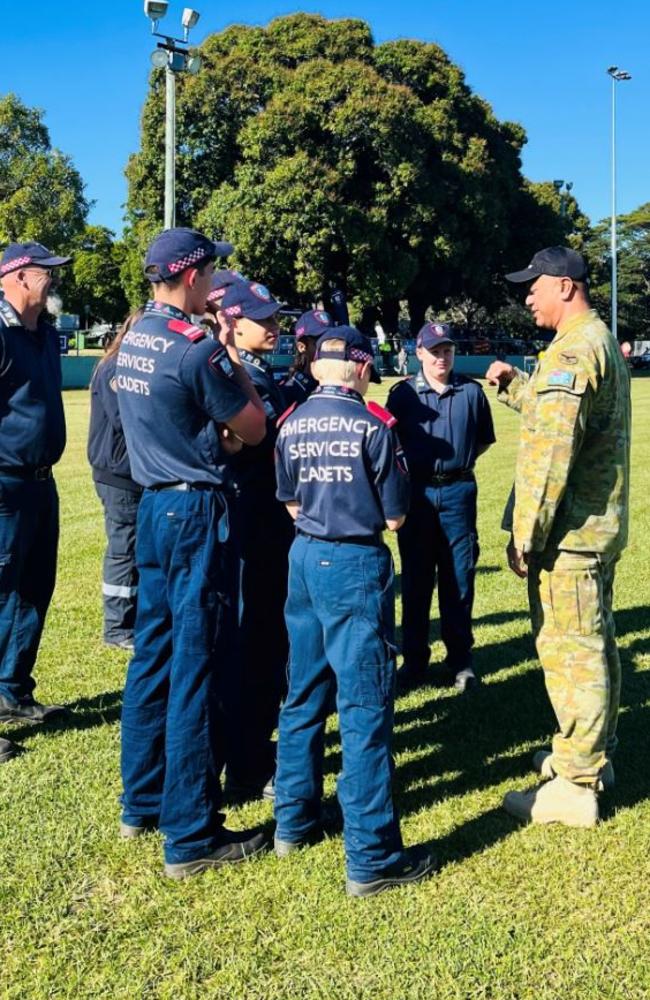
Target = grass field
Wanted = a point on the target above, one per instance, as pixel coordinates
(513, 912)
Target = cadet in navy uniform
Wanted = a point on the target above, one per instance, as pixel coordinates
(266, 535)
(445, 423)
(119, 495)
(176, 390)
(342, 481)
(32, 439)
(300, 383)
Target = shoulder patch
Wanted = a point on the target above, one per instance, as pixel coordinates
(221, 363)
(190, 332)
(568, 359)
(384, 415)
(560, 379)
(283, 416)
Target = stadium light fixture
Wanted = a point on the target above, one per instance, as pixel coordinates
(172, 56)
(618, 76)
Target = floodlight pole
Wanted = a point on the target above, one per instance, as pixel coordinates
(175, 60)
(617, 76)
(170, 148)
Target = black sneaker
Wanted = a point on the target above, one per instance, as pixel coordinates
(28, 711)
(408, 678)
(285, 847)
(237, 792)
(235, 849)
(443, 676)
(415, 865)
(8, 750)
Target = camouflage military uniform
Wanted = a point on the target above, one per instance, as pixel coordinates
(571, 518)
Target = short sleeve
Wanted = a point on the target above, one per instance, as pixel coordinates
(396, 402)
(484, 423)
(389, 472)
(286, 491)
(206, 370)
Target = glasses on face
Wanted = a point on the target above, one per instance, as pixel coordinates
(50, 275)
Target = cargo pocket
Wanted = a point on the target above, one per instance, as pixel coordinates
(375, 670)
(576, 601)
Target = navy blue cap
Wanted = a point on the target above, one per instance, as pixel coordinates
(249, 299)
(312, 323)
(221, 280)
(175, 250)
(434, 335)
(19, 255)
(559, 262)
(357, 348)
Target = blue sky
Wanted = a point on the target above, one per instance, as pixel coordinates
(86, 64)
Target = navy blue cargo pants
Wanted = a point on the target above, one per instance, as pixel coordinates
(120, 576)
(184, 628)
(266, 533)
(439, 539)
(29, 537)
(340, 618)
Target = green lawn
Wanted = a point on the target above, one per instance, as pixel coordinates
(513, 912)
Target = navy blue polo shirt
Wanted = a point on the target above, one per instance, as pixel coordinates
(298, 386)
(253, 465)
(174, 385)
(441, 432)
(339, 462)
(32, 422)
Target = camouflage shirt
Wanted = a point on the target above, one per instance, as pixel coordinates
(572, 479)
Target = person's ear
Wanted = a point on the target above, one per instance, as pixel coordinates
(189, 277)
(567, 289)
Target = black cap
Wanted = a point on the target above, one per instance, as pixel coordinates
(559, 262)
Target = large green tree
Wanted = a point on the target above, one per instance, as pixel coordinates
(633, 272)
(329, 160)
(41, 192)
(42, 198)
(92, 286)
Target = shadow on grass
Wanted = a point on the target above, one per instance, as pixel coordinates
(86, 713)
(489, 569)
(465, 744)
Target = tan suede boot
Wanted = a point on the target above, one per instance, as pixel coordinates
(543, 764)
(556, 801)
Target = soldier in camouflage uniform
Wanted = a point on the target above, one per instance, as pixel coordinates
(570, 525)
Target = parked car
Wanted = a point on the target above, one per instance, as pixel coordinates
(641, 361)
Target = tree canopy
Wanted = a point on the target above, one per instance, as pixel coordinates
(41, 192)
(42, 198)
(633, 272)
(329, 160)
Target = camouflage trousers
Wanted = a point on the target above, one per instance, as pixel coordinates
(570, 596)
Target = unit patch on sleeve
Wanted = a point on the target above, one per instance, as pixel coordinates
(560, 379)
(221, 363)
